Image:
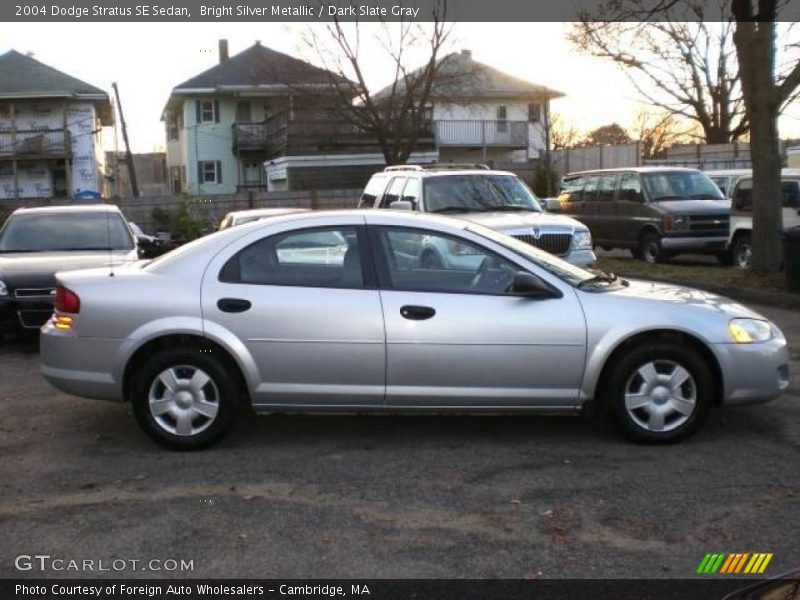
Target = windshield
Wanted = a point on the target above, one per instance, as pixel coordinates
(552, 264)
(43, 232)
(680, 185)
(478, 193)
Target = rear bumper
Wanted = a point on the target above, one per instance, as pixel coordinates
(754, 373)
(695, 244)
(80, 366)
(24, 314)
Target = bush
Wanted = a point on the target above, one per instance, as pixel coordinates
(179, 222)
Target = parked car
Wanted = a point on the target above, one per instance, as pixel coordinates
(37, 242)
(656, 212)
(228, 319)
(240, 217)
(497, 199)
(741, 193)
(725, 178)
(149, 246)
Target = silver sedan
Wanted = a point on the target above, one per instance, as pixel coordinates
(336, 312)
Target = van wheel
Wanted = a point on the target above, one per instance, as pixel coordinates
(650, 248)
(184, 399)
(659, 392)
(742, 251)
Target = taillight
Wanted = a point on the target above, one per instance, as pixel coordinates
(67, 301)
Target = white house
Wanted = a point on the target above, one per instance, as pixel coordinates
(50, 131)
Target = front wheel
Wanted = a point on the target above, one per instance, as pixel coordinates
(185, 399)
(742, 251)
(650, 248)
(659, 392)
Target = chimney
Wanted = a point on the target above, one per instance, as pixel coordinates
(467, 54)
(223, 50)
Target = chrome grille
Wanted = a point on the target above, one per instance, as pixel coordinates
(709, 225)
(34, 293)
(554, 243)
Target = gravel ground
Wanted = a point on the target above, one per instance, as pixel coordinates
(385, 497)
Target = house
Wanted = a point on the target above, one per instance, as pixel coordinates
(50, 131)
(263, 119)
(480, 114)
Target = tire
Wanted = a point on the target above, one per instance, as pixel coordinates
(642, 377)
(186, 418)
(742, 251)
(650, 248)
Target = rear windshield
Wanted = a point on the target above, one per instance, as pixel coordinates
(478, 193)
(680, 185)
(65, 231)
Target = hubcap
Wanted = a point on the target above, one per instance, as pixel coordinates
(660, 395)
(184, 400)
(744, 252)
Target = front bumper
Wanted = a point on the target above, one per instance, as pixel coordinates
(694, 244)
(80, 366)
(754, 373)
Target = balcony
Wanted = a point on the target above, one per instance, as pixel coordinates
(480, 134)
(35, 144)
(310, 131)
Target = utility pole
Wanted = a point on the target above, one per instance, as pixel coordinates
(128, 155)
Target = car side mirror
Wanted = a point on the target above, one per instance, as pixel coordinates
(528, 285)
(552, 205)
(401, 205)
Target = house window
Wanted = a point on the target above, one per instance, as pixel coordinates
(172, 127)
(502, 119)
(243, 112)
(209, 171)
(207, 111)
(534, 112)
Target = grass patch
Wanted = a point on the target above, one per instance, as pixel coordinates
(695, 275)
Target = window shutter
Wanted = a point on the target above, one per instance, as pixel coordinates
(199, 173)
(216, 111)
(219, 171)
(198, 107)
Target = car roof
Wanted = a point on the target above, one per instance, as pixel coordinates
(255, 212)
(649, 169)
(69, 208)
(444, 172)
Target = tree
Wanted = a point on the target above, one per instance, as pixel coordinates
(684, 68)
(765, 95)
(397, 118)
(764, 90)
(607, 134)
(561, 134)
(658, 132)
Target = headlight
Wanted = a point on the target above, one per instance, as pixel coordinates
(3, 288)
(749, 331)
(582, 240)
(675, 223)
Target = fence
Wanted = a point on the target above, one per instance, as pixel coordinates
(570, 160)
(211, 209)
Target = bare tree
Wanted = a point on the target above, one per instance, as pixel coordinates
(765, 89)
(397, 117)
(685, 68)
(562, 135)
(657, 132)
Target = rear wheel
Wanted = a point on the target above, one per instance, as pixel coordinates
(184, 398)
(650, 248)
(659, 392)
(742, 250)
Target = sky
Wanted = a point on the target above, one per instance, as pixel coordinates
(148, 59)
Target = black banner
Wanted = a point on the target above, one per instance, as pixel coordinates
(384, 589)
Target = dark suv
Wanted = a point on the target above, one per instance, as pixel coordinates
(656, 212)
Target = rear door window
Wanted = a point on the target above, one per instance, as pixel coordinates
(394, 192)
(590, 189)
(630, 188)
(606, 187)
(373, 191)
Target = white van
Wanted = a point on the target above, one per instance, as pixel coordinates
(739, 186)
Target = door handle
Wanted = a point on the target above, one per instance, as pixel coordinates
(233, 305)
(417, 313)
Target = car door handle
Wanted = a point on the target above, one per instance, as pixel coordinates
(233, 305)
(417, 313)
